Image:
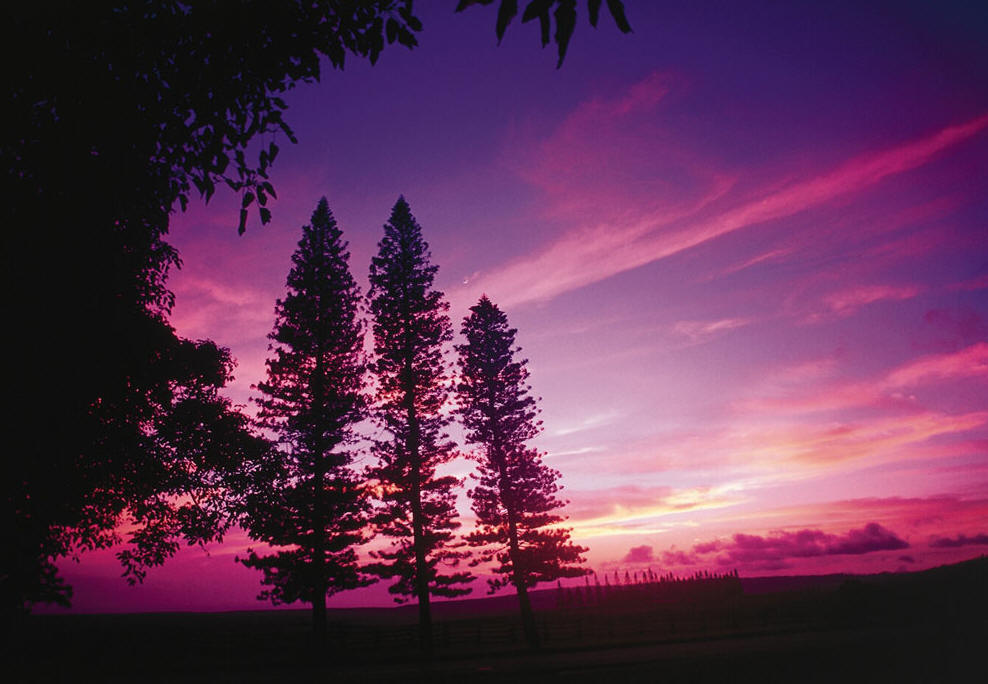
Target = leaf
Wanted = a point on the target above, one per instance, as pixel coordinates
(536, 8)
(407, 38)
(265, 216)
(463, 4)
(242, 227)
(594, 7)
(248, 199)
(505, 13)
(413, 22)
(391, 27)
(616, 8)
(544, 26)
(565, 24)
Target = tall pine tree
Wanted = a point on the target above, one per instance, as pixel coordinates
(515, 497)
(306, 501)
(410, 330)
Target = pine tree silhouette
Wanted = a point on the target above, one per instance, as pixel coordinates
(410, 330)
(515, 497)
(305, 500)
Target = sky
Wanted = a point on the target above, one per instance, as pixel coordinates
(745, 249)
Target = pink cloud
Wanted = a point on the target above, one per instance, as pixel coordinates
(770, 255)
(830, 445)
(619, 240)
(754, 452)
(674, 557)
(633, 508)
(775, 550)
(970, 362)
(884, 391)
(977, 283)
(960, 540)
(950, 327)
(639, 554)
(701, 331)
(205, 305)
(846, 302)
(918, 515)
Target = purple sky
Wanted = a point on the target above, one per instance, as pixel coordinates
(746, 251)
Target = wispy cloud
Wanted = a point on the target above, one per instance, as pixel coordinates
(624, 240)
(701, 331)
(634, 509)
(770, 255)
(971, 362)
(846, 302)
(592, 422)
(976, 283)
(885, 390)
(205, 305)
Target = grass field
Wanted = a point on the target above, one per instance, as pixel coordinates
(921, 627)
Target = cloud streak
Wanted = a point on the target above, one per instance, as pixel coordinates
(622, 242)
(635, 509)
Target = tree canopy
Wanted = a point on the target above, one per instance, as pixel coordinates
(304, 499)
(116, 114)
(515, 498)
(561, 12)
(411, 329)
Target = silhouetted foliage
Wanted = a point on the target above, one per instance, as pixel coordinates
(160, 459)
(304, 498)
(515, 497)
(183, 474)
(410, 330)
(115, 113)
(563, 11)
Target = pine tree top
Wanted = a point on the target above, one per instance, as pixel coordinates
(317, 337)
(403, 265)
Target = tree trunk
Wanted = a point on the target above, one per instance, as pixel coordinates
(418, 524)
(319, 616)
(518, 578)
(318, 523)
(421, 577)
(528, 618)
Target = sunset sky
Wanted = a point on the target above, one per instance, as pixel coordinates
(746, 252)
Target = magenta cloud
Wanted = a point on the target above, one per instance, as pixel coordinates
(773, 551)
(622, 240)
(639, 554)
(958, 541)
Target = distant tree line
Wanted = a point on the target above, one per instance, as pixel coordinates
(642, 588)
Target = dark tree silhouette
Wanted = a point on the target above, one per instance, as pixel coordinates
(160, 460)
(410, 330)
(116, 113)
(304, 498)
(563, 11)
(185, 468)
(515, 497)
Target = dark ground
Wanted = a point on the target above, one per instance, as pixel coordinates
(921, 627)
